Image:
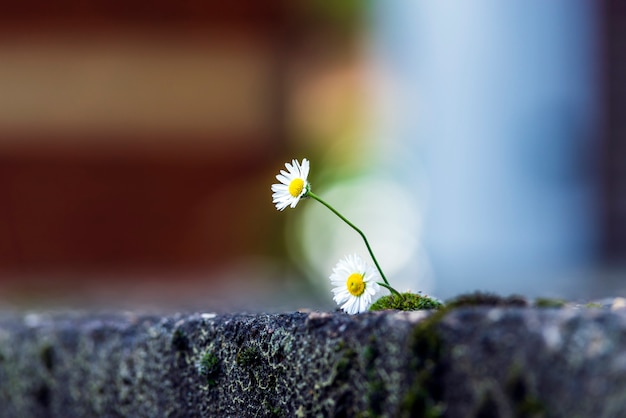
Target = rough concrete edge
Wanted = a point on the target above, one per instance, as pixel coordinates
(469, 360)
(201, 364)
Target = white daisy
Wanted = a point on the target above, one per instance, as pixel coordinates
(355, 283)
(293, 184)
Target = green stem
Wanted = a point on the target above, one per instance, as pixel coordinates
(391, 289)
(333, 210)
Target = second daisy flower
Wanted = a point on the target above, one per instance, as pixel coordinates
(355, 284)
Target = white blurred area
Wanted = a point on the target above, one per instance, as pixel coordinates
(487, 123)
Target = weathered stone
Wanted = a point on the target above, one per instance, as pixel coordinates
(466, 362)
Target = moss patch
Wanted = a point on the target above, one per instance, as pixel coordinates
(344, 365)
(405, 302)
(425, 395)
(209, 366)
(249, 357)
(488, 407)
(180, 342)
(376, 388)
(273, 411)
(47, 357)
(549, 303)
(487, 299)
(525, 401)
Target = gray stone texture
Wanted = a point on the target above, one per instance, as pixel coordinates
(465, 362)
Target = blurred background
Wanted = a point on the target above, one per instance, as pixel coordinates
(480, 146)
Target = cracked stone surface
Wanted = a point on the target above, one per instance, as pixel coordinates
(464, 362)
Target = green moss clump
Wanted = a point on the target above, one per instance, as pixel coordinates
(249, 356)
(42, 395)
(47, 357)
(370, 353)
(180, 342)
(405, 302)
(524, 398)
(549, 303)
(487, 299)
(377, 391)
(345, 364)
(488, 407)
(273, 411)
(209, 366)
(425, 395)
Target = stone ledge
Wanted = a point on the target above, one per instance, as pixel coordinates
(468, 362)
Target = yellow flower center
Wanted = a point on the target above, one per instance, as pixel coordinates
(296, 186)
(355, 284)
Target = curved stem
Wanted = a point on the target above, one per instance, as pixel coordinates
(333, 210)
(391, 289)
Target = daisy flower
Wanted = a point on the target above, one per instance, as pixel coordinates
(293, 185)
(355, 283)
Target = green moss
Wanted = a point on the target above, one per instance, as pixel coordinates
(370, 352)
(377, 391)
(593, 305)
(487, 407)
(523, 398)
(273, 411)
(47, 357)
(424, 398)
(376, 395)
(180, 342)
(405, 302)
(549, 303)
(487, 299)
(210, 367)
(344, 364)
(248, 357)
(42, 395)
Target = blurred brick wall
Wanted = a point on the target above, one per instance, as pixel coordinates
(140, 197)
(63, 213)
(118, 177)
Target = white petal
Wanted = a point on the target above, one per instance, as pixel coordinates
(364, 303)
(283, 179)
(351, 306)
(304, 172)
